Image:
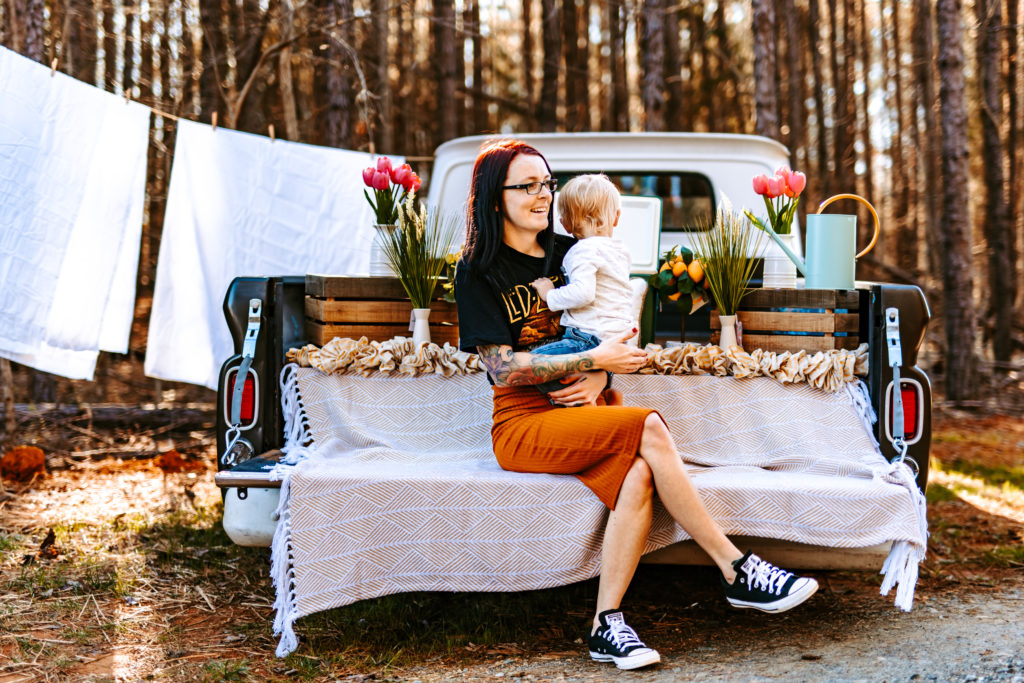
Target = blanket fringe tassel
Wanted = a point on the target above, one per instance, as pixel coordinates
(298, 446)
(901, 566)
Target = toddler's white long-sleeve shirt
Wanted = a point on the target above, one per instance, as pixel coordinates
(597, 299)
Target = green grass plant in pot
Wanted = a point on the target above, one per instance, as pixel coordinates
(726, 250)
(416, 253)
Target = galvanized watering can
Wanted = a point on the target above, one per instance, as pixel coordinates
(831, 247)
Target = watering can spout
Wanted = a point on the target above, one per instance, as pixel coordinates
(800, 265)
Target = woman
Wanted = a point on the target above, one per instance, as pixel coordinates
(621, 453)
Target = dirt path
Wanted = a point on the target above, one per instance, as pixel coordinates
(960, 637)
(139, 582)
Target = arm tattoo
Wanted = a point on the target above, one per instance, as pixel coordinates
(507, 367)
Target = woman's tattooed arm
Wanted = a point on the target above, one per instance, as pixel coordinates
(508, 367)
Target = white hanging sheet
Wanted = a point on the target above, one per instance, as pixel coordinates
(72, 188)
(241, 204)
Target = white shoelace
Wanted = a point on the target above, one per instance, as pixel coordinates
(623, 635)
(766, 575)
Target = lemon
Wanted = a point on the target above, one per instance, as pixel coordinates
(695, 270)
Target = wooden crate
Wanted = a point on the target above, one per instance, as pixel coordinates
(772, 317)
(373, 307)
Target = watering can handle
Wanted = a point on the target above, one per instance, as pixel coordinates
(874, 238)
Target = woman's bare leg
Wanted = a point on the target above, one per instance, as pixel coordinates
(680, 497)
(624, 536)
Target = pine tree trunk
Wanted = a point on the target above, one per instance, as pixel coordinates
(673, 70)
(583, 63)
(653, 65)
(382, 29)
(130, 22)
(924, 59)
(823, 174)
(998, 228)
(547, 107)
(617, 94)
(80, 60)
(466, 98)
(766, 102)
(1015, 123)
(7, 422)
(444, 53)
(338, 116)
(701, 102)
(214, 59)
(188, 62)
(284, 68)
(528, 79)
(109, 47)
(34, 46)
(479, 105)
(954, 226)
(575, 110)
(906, 240)
(797, 116)
(865, 106)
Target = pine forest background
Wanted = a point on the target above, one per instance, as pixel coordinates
(915, 104)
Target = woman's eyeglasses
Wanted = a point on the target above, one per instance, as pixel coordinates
(535, 187)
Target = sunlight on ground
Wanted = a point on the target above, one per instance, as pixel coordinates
(1006, 500)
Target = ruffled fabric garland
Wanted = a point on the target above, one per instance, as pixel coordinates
(828, 370)
(400, 354)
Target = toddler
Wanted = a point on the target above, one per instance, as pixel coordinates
(597, 301)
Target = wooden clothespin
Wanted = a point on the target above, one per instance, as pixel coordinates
(213, 120)
(270, 129)
(53, 67)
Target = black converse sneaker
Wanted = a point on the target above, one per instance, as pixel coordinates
(616, 642)
(761, 585)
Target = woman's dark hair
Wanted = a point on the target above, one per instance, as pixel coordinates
(485, 211)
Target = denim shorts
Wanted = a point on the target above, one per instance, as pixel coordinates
(573, 341)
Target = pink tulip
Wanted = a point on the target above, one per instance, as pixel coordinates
(784, 172)
(796, 184)
(414, 183)
(775, 187)
(761, 184)
(400, 175)
(384, 165)
(368, 176)
(381, 180)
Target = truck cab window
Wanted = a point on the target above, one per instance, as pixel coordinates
(687, 199)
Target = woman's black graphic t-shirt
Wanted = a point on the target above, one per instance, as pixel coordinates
(512, 314)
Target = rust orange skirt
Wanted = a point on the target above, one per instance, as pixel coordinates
(595, 443)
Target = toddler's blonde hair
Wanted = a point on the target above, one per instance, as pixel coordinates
(588, 201)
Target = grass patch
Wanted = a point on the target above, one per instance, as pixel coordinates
(937, 493)
(992, 476)
(1006, 556)
(227, 670)
(10, 542)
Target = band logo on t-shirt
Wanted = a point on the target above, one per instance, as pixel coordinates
(539, 323)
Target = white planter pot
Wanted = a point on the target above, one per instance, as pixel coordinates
(379, 265)
(728, 337)
(779, 270)
(421, 325)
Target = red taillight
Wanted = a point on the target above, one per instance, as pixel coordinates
(911, 393)
(248, 405)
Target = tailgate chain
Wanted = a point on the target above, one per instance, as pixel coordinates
(239, 449)
(892, 342)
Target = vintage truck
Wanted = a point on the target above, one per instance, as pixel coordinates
(690, 173)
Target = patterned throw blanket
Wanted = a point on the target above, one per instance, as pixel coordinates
(396, 487)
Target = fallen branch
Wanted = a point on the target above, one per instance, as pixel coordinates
(117, 415)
